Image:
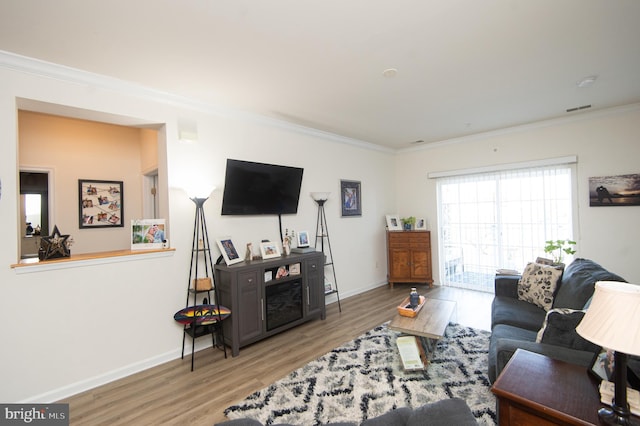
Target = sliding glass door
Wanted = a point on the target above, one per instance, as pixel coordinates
(500, 220)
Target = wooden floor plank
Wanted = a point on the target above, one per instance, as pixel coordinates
(171, 394)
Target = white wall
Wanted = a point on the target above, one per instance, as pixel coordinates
(67, 330)
(606, 143)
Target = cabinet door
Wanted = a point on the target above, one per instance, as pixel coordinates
(250, 306)
(399, 263)
(420, 264)
(314, 288)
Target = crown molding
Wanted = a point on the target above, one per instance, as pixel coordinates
(27, 65)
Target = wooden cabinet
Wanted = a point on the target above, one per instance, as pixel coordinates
(409, 257)
(262, 304)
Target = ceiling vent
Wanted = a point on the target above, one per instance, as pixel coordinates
(579, 108)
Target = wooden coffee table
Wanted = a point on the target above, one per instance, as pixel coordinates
(431, 321)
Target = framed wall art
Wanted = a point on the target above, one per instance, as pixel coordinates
(621, 190)
(351, 198)
(100, 203)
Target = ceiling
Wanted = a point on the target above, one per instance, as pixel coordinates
(463, 66)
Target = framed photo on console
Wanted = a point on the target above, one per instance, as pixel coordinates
(228, 251)
(393, 222)
(269, 250)
(303, 239)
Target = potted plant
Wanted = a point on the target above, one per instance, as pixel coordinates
(408, 222)
(556, 248)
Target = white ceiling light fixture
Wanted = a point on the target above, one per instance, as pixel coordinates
(390, 72)
(587, 81)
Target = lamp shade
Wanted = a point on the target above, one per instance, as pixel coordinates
(613, 318)
(320, 196)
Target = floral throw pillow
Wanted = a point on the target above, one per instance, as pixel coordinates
(538, 284)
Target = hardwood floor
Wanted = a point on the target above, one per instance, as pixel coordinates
(171, 394)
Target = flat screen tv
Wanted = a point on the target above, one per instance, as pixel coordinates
(260, 189)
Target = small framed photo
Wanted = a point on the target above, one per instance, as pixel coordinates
(602, 365)
(350, 198)
(303, 239)
(421, 224)
(393, 222)
(294, 269)
(148, 234)
(328, 287)
(100, 204)
(269, 250)
(228, 251)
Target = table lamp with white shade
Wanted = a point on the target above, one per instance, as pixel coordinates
(613, 322)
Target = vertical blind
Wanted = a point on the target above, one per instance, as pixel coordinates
(500, 219)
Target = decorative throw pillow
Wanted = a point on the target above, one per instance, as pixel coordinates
(559, 329)
(538, 284)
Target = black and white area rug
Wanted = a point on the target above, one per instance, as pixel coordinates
(364, 378)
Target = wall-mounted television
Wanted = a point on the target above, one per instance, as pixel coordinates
(258, 188)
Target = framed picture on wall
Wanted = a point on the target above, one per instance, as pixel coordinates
(100, 203)
(621, 190)
(350, 198)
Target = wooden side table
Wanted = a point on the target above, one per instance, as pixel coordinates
(537, 390)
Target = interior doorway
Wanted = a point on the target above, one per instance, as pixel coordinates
(34, 211)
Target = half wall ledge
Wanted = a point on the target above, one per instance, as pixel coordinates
(99, 258)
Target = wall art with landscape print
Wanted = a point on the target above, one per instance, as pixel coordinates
(621, 190)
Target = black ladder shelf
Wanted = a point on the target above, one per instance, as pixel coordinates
(322, 233)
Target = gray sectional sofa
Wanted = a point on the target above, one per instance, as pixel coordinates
(446, 412)
(515, 323)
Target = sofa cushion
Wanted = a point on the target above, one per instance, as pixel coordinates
(538, 284)
(445, 412)
(578, 283)
(559, 329)
(399, 417)
(511, 311)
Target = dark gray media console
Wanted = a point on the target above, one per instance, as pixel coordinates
(261, 307)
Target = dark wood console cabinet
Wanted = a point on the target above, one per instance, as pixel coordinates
(409, 257)
(244, 289)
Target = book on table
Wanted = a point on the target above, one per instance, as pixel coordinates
(411, 353)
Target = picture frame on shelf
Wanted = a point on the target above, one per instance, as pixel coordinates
(421, 224)
(228, 250)
(294, 269)
(100, 203)
(147, 234)
(328, 287)
(393, 222)
(602, 365)
(269, 250)
(302, 239)
(350, 198)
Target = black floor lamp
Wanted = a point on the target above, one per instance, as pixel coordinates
(206, 317)
(322, 233)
